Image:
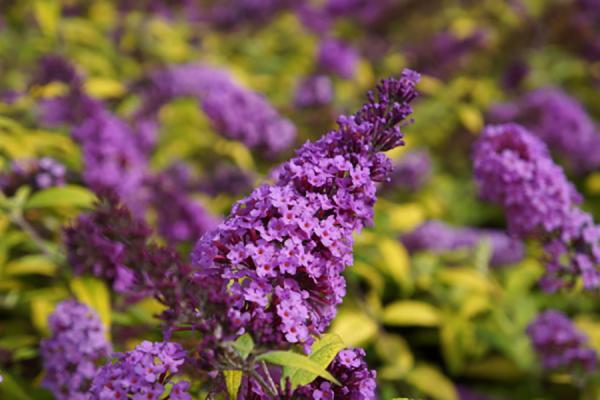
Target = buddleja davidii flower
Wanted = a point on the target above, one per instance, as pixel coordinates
(276, 262)
(560, 121)
(234, 111)
(74, 351)
(37, 173)
(513, 168)
(559, 344)
(143, 373)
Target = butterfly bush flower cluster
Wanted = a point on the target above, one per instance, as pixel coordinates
(349, 367)
(337, 57)
(37, 173)
(411, 172)
(437, 236)
(179, 218)
(74, 351)
(514, 169)
(234, 111)
(276, 262)
(560, 121)
(559, 344)
(314, 91)
(144, 373)
(228, 179)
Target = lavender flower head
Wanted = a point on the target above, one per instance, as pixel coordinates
(234, 111)
(37, 173)
(559, 344)
(560, 121)
(349, 367)
(143, 373)
(513, 169)
(314, 91)
(337, 57)
(276, 262)
(411, 172)
(437, 236)
(71, 355)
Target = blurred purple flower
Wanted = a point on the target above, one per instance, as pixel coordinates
(314, 91)
(37, 173)
(337, 57)
(411, 172)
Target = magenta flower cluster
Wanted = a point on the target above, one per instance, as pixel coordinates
(560, 121)
(276, 262)
(143, 373)
(559, 344)
(37, 173)
(514, 169)
(234, 111)
(74, 351)
(437, 237)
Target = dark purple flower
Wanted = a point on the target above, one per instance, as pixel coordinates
(276, 262)
(364, 11)
(143, 373)
(411, 172)
(514, 169)
(37, 173)
(559, 344)
(234, 111)
(437, 236)
(228, 179)
(72, 354)
(314, 91)
(337, 57)
(560, 121)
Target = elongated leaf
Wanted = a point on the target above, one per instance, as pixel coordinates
(323, 352)
(244, 345)
(11, 389)
(432, 382)
(233, 380)
(94, 293)
(411, 313)
(62, 196)
(295, 360)
(31, 264)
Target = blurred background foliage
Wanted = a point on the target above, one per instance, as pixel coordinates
(440, 326)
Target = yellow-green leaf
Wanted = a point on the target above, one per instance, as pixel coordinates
(94, 293)
(41, 309)
(295, 360)
(354, 327)
(47, 14)
(104, 88)
(394, 260)
(409, 313)
(244, 345)
(233, 380)
(432, 382)
(31, 264)
(323, 352)
(61, 196)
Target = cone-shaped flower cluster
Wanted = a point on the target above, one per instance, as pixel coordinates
(513, 168)
(143, 373)
(234, 111)
(276, 262)
(74, 351)
(560, 344)
(436, 236)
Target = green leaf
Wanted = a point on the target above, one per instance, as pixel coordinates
(233, 380)
(61, 196)
(323, 352)
(11, 389)
(354, 327)
(295, 360)
(31, 264)
(94, 293)
(432, 382)
(411, 313)
(244, 345)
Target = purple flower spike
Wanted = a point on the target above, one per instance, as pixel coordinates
(276, 262)
(337, 57)
(71, 355)
(559, 344)
(513, 169)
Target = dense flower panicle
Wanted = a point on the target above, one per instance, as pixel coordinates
(143, 373)
(276, 262)
(411, 172)
(559, 344)
(37, 173)
(72, 354)
(179, 218)
(337, 57)
(314, 91)
(54, 68)
(560, 121)
(513, 168)
(234, 111)
(437, 236)
(349, 367)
